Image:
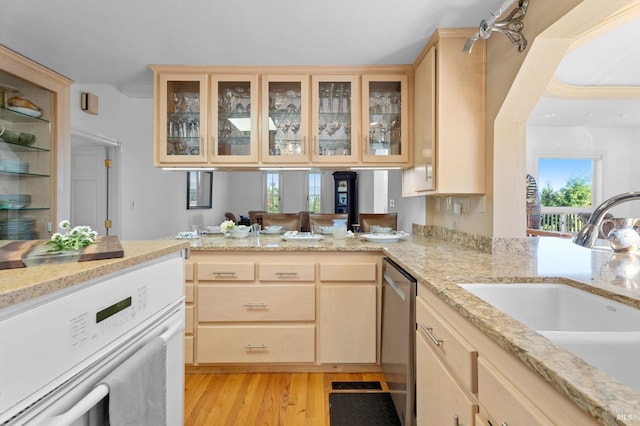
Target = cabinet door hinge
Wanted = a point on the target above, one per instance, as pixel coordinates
(107, 224)
(108, 163)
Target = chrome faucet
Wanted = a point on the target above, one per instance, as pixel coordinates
(589, 232)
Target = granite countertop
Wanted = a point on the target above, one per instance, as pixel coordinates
(23, 284)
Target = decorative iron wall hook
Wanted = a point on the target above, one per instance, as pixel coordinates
(511, 27)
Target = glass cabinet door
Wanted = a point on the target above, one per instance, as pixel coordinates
(285, 118)
(26, 183)
(385, 112)
(335, 127)
(183, 107)
(234, 120)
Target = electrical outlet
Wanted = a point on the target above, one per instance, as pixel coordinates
(392, 202)
(482, 204)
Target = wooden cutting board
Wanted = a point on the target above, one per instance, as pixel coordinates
(106, 247)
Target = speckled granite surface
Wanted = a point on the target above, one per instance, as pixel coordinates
(439, 264)
(19, 285)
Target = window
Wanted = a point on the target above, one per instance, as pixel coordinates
(314, 192)
(272, 189)
(567, 186)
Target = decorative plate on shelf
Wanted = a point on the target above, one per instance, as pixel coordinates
(26, 111)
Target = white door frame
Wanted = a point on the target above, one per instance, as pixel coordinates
(114, 150)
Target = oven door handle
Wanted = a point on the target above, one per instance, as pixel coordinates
(81, 407)
(394, 285)
(102, 390)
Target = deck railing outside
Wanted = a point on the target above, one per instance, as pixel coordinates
(561, 219)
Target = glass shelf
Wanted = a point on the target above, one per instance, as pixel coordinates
(16, 147)
(24, 209)
(17, 117)
(4, 172)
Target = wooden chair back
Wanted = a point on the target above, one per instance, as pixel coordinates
(325, 219)
(379, 219)
(288, 221)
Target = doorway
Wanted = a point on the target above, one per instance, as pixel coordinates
(94, 192)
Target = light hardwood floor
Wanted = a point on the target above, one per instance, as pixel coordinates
(267, 399)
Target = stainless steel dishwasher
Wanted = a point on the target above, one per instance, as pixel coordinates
(397, 346)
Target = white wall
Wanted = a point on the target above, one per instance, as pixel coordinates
(153, 201)
(618, 146)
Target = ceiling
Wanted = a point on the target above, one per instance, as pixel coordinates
(112, 42)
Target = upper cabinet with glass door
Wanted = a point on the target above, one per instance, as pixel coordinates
(181, 125)
(335, 111)
(34, 116)
(234, 123)
(385, 111)
(285, 119)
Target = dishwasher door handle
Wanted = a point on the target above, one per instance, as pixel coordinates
(394, 285)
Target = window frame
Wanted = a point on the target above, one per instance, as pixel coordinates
(266, 178)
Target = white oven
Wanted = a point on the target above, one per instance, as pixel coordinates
(59, 351)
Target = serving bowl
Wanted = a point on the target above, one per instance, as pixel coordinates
(273, 229)
(20, 138)
(241, 231)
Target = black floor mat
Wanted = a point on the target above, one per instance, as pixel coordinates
(362, 409)
(356, 386)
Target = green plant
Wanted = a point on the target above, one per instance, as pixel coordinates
(227, 226)
(74, 239)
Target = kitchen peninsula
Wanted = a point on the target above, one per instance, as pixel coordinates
(546, 379)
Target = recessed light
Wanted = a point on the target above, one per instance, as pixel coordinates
(549, 115)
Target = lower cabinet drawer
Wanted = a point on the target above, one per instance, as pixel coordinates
(257, 303)
(188, 319)
(503, 402)
(188, 349)
(446, 342)
(256, 344)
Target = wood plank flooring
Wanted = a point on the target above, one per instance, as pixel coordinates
(267, 399)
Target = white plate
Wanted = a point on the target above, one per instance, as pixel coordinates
(272, 232)
(187, 235)
(301, 236)
(26, 111)
(383, 238)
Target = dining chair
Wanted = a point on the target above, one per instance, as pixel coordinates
(380, 219)
(255, 216)
(325, 219)
(288, 221)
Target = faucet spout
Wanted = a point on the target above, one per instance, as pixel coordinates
(589, 232)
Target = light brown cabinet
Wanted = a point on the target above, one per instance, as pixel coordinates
(285, 119)
(181, 118)
(29, 137)
(348, 310)
(446, 370)
(247, 117)
(449, 111)
(234, 118)
(385, 119)
(188, 310)
(309, 309)
(335, 122)
(462, 372)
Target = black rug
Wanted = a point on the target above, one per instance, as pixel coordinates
(362, 409)
(356, 386)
